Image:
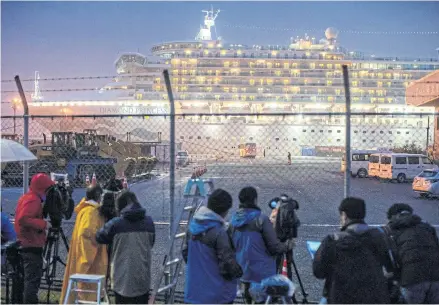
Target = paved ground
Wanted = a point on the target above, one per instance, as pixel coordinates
(315, 183)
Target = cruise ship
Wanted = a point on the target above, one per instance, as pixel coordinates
(209, 76)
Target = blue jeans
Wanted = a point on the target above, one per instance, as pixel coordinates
(422, 293)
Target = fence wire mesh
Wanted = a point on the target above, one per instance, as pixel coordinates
(300, 155)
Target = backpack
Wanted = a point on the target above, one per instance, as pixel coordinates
(287, 222)
(357, 275)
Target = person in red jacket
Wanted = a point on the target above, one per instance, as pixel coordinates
(31, 232)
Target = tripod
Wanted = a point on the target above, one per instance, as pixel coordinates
(290, 261)
(51, 255)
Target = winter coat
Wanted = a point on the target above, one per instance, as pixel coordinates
(29, 223)
(417, 249)
(211, 269)
(132, 236)
(352, 263)
(8, 233)
(256, 244)
(86, 256)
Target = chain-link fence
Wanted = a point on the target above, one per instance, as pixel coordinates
(298, 154)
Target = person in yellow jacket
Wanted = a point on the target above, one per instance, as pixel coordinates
(86, 256)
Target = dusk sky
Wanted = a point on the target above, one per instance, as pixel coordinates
(62, 39)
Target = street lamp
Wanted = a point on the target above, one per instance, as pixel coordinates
(15, 102)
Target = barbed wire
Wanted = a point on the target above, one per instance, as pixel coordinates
(279, 29)
(140, 76)
(186, 92)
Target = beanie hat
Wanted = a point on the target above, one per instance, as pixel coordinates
(219, 201)
(355, 208)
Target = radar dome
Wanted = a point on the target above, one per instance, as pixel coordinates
(331, 33)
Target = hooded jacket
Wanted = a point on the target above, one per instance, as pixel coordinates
(211, 269)
(132, 236)
(86, 256)
(351, 262)
(256, 244)
(417, 249)
(29, 223)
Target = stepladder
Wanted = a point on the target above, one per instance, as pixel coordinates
(195, 195)
(87, 280)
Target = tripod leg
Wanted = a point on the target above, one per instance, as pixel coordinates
(305, 301)
(64, 238)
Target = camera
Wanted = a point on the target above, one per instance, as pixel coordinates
(287, 222)
(59, 204)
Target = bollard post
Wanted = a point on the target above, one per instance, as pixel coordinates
(25, 132)
(347, 174)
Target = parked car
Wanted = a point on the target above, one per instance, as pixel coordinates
(182, 158)
(426, 184)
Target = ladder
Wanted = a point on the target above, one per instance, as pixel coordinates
(195, 194)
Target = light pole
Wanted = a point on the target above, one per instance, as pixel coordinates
(14, 107)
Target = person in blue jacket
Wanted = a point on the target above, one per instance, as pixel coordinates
(8, 233)
(255, 240)
(211, 267)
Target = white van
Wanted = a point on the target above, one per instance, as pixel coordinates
(403, 166)
(359, 162)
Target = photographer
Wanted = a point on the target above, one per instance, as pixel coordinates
(255, 241)
(86, 256)
(30, 227)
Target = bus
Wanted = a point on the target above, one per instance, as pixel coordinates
(247, 150)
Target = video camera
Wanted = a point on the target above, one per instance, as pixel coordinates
(287, 222)
(59, 203)
(276, 201)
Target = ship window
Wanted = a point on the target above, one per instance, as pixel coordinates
(251, 138)
(390, 132)
(191, 137)
(182, 137)
(355, 131)
(277, 139)
(398, 132)
(381, 132)
(364, 131)
(304, 130)
(329, 131)
(207, 138)
(407, 132)
(390, 141)
(294, 139)
(338, 131)
(321, 130)
(312, 130)
(199, 138)
(364, 141)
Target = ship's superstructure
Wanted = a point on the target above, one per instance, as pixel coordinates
(211, 76)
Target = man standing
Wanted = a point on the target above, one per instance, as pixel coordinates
(256, 242)
(132, 236)
(31, 232)
(352, 260)
(212, 270)
(416, 249)
(289, 158)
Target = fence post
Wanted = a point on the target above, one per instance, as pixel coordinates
(25, 132)
(347, 174)
(171, 155)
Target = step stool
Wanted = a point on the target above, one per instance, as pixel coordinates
(99, 280)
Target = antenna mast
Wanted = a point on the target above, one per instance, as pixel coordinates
(209, 21)
(36, 96)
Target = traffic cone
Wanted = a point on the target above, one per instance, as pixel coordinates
(125, 183)
(87, 180)
(284, 268)
(93, 180)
